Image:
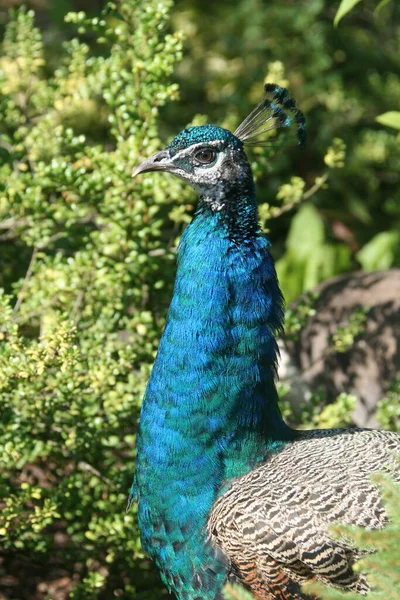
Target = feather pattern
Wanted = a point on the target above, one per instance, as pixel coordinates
(224, 486)
(278, 515)
(204, 425)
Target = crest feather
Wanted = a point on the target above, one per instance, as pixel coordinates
(276, 110)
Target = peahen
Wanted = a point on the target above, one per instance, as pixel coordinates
(225, 488)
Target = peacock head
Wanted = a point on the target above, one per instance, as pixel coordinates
(212, 159)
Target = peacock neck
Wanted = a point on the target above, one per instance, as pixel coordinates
(212, 385)
(210, 411)
(233, 209)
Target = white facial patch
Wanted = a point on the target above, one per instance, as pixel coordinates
(210, 181)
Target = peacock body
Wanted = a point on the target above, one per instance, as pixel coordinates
(224, 486)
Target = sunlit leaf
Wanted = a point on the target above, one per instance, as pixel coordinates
(391, 119)
(380, 252)
(381, 5)
(344, 8)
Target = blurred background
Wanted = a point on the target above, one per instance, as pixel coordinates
(87, 255)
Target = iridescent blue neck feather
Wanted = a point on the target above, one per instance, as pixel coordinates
(210, 412)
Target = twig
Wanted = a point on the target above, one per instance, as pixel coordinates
(12, 223)
(316, 186)
(80, 297)
(6, 146)
(51, 239)
(84, 466)
(286, 207)
(10, 235)
(76, 307)
(38, 312)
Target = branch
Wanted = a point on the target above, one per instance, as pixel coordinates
(38, 312)
(12, 223)
(286, 207)
(6, 146)
(84, 466)
(316, 186)
(76, 307)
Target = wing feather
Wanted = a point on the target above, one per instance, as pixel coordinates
(274, 523)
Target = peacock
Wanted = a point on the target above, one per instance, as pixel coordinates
(225, 488)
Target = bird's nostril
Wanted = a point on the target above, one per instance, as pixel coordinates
(160, 157)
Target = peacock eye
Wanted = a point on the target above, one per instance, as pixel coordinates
(205, 156)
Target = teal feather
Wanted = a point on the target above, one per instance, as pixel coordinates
(210, 411)
(224, 486)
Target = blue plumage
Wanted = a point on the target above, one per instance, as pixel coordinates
(210, 410)
(210, 401)
(222, 488)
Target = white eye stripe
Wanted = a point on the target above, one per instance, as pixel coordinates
(188, 151)
(213, 171)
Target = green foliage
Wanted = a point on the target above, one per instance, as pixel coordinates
(310, 258)
(86, 269)
(337, 414)
(344, 8)
(347, 5)
(317, 413)
(336, 154)
(296, 318)
(380, 252)
(388, 410)
(345, 336)
(391, 119)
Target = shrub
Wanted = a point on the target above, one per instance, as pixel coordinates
(87, 256)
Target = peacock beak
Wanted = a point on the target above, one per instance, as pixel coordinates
(160, 161)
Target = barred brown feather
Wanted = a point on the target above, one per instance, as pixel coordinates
(273, 523)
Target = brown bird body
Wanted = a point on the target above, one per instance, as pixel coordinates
(273, 523)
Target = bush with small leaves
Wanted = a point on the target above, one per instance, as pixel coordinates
(84, 250)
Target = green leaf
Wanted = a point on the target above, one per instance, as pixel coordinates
(380, 252)
(306, 232)
(344, 8)
(391, 119)
(381, 5)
